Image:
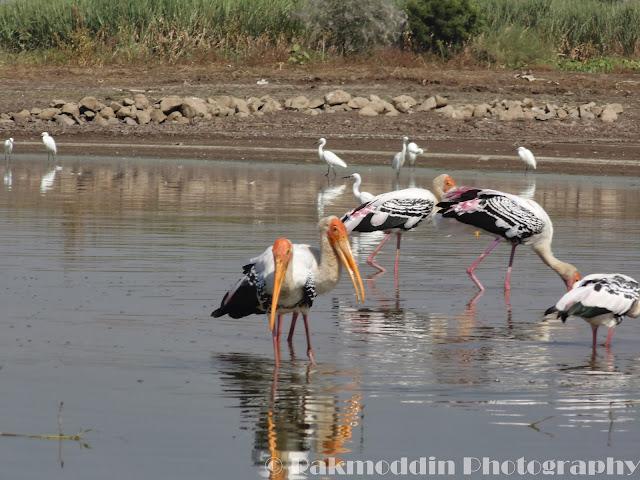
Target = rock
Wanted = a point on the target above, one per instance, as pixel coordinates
(403, 107)
(127, 102)
(223, 101)
(107, 112)
(144, 116)
(311, 111)
(130, 121)
(481, 110)
(89, 103)
(63, 119)
(22, 115)
(316, 102)
(608, 114)
(271, 105)
(405, 99)
(585, 111)
(528, 103)
(193, 107)
(336, 97)
(89, 114)
(113, 121)
(358, 102)
(169, 105)
(514, 112)
(100, 120)
(48, 113)
(369, 111)
(240, 106)
(115, 106)
(57, 103)
(429, 104)
(297, 103)
(446, 111)
(157, 116)
(441, 101)
(173, 116)
(617, 108)
(255, 104)
(141, 101)
(127, 112)
(71, 109)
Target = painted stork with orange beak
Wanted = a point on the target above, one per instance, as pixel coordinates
(398, 211)
(287, 277)
(509, 218)
(601, 299)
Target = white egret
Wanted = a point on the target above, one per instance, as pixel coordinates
(527, 157)
(50, 145)
(400, 157)
(8, 148)
(413, 150)
(361, 197)
(330, 158)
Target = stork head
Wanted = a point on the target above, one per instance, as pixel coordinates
(282, 253)
(339, 240)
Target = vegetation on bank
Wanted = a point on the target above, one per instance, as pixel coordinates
(580, 35)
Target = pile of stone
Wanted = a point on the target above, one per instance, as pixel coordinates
(140, 110)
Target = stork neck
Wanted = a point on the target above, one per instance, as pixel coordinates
(565, 270)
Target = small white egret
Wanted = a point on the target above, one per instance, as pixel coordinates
(413, 150)
(330, 158)
(361, 197)
(50, 145)
(400, 157)
(527, 157)
(8, 148)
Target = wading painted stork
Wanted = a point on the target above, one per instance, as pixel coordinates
(330, 158)
(361, 197)
(601, 299)
(399, 158)
(398, 211)
(507, 217)
(527, 157)
(289, 277)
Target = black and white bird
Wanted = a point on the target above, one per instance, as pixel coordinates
(527, 157)
(397, 211)
(8, 148)
(507, 217)
(290, 276)
(601, 299)
(331, 159)
(400, 157)
(413, 150)
(361, 197)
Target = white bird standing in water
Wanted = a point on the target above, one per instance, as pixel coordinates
(8, 148)
(50, 145)
(361, 197)
(601, 299)
(400, 157)
(330, 158)
(527, 157)
(413, 150)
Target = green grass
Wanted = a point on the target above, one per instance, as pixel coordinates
(567, 34)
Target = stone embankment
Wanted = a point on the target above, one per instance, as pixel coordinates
(139, 109)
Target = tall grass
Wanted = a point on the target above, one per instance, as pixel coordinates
(573, 29)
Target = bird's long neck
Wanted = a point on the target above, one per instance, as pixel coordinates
(565, 270)
(329, 270)
(356, 185)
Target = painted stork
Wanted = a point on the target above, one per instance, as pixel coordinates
(399, 158)
(361, 197)
(330, 158)
(527, 157)
(8, 148)
(601, 299)
(507, 217)
(397, 211)
(290, 276)
(413, 150)
(49, 144)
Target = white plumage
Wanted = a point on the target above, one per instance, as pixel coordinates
(330, 158)
(399, 158)
(413, 150)
(291, 276)
(397, 211)
(8, 148)
(49, 144)
(508, 218)
(361, 197)
(601, 299)
(527, 157)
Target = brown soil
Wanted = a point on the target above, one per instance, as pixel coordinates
(473, 143)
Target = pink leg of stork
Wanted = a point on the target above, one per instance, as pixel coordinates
(507, 280)
(475, 264)
(397, 257)
(294, 318)
(594, 328)
(375, 251)
(306, 328)
(606, 344)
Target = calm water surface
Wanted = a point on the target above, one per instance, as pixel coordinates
(112, 266)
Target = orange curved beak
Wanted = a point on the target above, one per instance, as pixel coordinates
(339, 239)
(572, 282)
(282, 250)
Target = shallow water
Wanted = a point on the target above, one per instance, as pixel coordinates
(112, 266)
